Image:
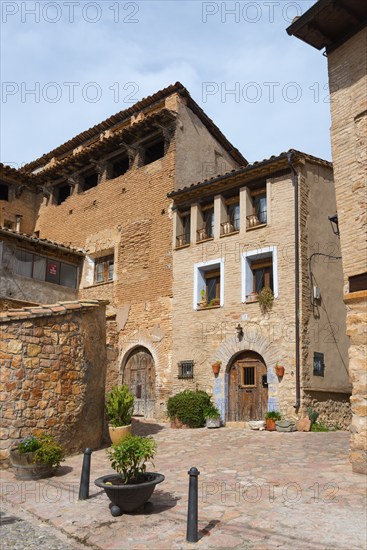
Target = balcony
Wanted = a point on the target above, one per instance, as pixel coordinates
(182, 240)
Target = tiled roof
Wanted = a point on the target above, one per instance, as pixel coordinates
(60, 308)
(16, 175)
(121, 116)
(247, 169)
(44, 242)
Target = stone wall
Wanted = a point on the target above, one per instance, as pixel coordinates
(348, 82)
(53, 363)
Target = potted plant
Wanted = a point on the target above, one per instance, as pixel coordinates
(279, 370)
(119, 408)
(36, 457)
(270, 418)
(203, 301)
(212, 417)
(266, 299)
(216, 367)
(132, 486)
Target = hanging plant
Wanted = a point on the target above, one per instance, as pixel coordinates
(266, 299)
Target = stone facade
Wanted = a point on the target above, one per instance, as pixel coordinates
(203, 335)
(348, 82)
(343, 34)
(129, 217)
(53, 374)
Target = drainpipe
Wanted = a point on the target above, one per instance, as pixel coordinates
(296, 234)
(18, 218)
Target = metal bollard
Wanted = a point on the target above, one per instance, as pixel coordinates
(192, 510)
(85, 476)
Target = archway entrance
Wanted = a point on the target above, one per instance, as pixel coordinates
(139, 375)
(247, 388)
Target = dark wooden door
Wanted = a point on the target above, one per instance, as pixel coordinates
(140, 377)
(248, 389)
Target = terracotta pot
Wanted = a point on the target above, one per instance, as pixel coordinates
(119, 432)
(270, 424)
(279, 371)
(216, 368)
(227, 228)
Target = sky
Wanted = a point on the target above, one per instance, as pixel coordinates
(68, 65)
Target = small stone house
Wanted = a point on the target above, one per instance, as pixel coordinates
(263, 225)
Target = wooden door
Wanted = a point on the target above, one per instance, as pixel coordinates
(248, 389)
(140, 377)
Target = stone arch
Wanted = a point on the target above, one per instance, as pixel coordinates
(138, 371)
(227, 353)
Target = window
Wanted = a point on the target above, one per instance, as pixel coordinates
(207, 230)
(259, 208)
(232, 223)
(119, 167)
(90, 181)
(186, 369)
(248, 376)
(41, 268)
(4, 192)
(358, 282)
(103, 269)
(318, 364)
(154, 151)
(212, 285)
(63, 192)
(262, 275)
(259, 269)
(209, 284)
(184, 228)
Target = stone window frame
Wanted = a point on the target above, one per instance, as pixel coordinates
(199, 279)
(105, 262)
(247, 273)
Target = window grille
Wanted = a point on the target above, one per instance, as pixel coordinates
(186, 369)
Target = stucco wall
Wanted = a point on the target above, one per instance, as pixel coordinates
(53, 374)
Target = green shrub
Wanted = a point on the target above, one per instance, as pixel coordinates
(266, 299)
(318, 427)
(188, 407)
(120, 406)
(275, 415)
(46, 450)
(128, 456)
(312, 415)
(211, 412)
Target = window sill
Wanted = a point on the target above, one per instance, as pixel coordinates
(256, 226)
(182, 246)
(205, 240)
(99, 284)
(251, 300)
(207, 307)
(229, 234)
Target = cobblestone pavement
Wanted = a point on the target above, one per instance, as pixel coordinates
(257, 490)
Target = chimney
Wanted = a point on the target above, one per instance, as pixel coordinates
(18, 217)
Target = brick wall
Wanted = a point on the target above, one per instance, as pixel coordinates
(53, 374)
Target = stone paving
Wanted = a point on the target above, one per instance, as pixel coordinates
(257, 490)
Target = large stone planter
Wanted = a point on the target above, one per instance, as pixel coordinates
(24, 468)
(119, 432)
(212, 422)
(129, 498)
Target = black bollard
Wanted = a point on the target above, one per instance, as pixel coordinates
(85, 476)
(192, 510)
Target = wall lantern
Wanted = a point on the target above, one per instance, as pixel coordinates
(334, 224)
(239, 331)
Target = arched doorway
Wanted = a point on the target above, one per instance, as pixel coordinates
(139, 375)
(247, 388)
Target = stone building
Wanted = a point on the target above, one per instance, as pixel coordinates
(255, 227)
(341, 28)
(104, 192)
